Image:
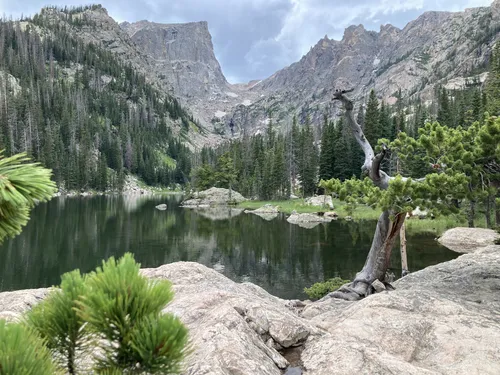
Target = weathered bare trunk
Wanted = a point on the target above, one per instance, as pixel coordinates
(402, 236)
(487, 213)
(404, 259)
(387, 230)
(471, 213)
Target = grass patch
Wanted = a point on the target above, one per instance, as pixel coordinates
(361, 212)
(319, 290)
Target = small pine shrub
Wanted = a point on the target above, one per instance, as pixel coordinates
(22, 351)
(123, 308)
(55, 319)
(319, 290)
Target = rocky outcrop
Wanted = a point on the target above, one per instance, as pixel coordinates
(468, 240)
(214, 197)
(441, 320)
(307, 220)
(183, 53)
(320, 201)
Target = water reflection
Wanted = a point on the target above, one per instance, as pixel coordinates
(69, 233)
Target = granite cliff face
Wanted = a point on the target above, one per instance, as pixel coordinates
(183, 55)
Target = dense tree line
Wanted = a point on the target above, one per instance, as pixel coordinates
(267, 166)
(82, 112)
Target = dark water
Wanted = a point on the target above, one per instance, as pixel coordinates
(69, 233)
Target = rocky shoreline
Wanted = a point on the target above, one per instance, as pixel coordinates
(441, 320)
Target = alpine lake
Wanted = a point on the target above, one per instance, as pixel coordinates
(79, 232)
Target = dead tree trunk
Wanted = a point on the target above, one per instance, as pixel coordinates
(389, 223)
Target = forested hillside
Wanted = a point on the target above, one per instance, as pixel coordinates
(81, 111)
(273, 165)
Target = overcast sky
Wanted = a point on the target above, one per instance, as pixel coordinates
(255, 38)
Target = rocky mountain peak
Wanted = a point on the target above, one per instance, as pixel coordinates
(183, 55)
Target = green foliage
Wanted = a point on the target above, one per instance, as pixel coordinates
(319, 290)
(123, 309)
(116, 311)
(22, 352)
(64, 123)
(55, 319)
(21, 185)
(372, 119)
(493, 82)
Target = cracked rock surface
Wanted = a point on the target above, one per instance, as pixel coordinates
(442, 320)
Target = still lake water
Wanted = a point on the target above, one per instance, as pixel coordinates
(69, 233)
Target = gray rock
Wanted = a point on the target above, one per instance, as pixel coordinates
(331, 214)
(320, 201)
(378, 286)
(267, 212)
(307, 220)
(161, 207)
(293, 371)
(213, 197)
(441, 320)
(467, 240)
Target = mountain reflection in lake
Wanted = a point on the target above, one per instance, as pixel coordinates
(69, 233)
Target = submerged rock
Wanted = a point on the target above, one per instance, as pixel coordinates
(267, 212)
(161, 207)
(213, 197)
(467, 240)
(307, 220)
(219, 212)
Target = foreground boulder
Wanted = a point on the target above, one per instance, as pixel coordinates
(441, 320)
(467, 240)
(321, 201)
(214, 197)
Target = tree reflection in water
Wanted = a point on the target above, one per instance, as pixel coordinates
(69, 233)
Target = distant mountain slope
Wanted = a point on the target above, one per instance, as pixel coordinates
(438, 48)
(82, 110)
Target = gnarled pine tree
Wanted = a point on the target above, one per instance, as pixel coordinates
(395, 195)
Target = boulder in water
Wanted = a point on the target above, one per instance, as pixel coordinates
(161, 207)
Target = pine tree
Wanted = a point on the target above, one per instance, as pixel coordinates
(372, 119)
(343, 168)
(328, 151)
(493, 82)
(444, 116)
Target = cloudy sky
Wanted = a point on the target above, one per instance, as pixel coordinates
(255, 38)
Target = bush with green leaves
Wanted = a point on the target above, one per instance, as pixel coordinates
(319, 290)
(22, 351)
(116, 311)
